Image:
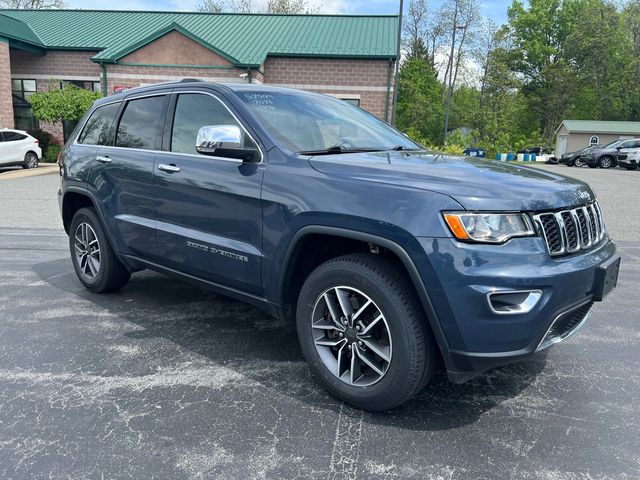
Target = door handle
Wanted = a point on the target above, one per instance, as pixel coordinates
(168, 168)
(102, 159)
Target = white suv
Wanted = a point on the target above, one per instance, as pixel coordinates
(18, 148)
(629, 156)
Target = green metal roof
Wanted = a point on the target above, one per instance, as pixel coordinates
(602, 126)
(245, 39)
(16, 30)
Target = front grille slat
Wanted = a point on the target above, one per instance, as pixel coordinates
(570, 231)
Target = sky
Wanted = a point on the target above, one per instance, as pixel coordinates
(494, 9)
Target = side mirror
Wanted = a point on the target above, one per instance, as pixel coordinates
(224, 141)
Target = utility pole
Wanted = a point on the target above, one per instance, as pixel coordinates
(450, 71)
(395, 79)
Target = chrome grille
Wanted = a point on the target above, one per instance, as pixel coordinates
(569, 231)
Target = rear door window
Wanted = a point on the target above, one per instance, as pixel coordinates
(99, 128)
(141, 123)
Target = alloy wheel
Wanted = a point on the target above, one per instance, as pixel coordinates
(87, 250)
(32, 160)
(351, 336)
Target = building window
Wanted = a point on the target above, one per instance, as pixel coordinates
(87, 85)
(347, 97)
(21, 90)
(594, 140)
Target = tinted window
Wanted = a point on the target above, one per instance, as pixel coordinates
(141, 123)
(13, 136)
(99, 128)
(194, 111)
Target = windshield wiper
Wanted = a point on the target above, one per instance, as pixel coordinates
(336, 150)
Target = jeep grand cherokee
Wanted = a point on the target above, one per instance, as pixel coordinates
(387, 256)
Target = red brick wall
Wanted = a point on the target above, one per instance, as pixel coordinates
(6, 104)
(55, 64)
(129, 77)
(365, 78)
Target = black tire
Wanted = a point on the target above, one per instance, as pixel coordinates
(631, 167)
(578, 163)
(414, 357)
(606, 162)
(111, 273)
(30, 160)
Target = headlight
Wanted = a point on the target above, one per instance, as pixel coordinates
(488, 227)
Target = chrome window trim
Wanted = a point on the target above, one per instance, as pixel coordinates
(157, 94)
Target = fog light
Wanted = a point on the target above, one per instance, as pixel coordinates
(513, 302)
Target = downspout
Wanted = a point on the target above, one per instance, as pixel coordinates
(386, 106)
(249, 79)
(105, 90)
(398, 53)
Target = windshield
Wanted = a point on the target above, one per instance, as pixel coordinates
(303, 122)
(613, 144)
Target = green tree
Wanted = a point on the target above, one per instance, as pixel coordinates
(420, 111)
(67, 103)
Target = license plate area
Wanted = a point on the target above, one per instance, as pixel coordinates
(606, 278)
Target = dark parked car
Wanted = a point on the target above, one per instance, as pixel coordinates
(390, 259)
(574, 159)
(607, 156)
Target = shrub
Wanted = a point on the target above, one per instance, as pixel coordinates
(44, 138)
(51, 153)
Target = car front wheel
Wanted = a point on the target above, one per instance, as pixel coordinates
(578, 163)
(364, 333)
(30, 160)
(606, 162)
(94, 261)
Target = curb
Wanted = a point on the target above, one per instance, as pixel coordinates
(43, 169)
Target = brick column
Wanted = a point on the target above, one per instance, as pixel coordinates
(6, 102)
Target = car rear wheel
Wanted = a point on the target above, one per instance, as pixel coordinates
(94, 261)
(578, 163)
(606, 162)
(363, 331)
(30, 160)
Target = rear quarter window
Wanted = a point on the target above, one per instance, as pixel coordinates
(99, 128)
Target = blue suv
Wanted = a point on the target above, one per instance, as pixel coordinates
(390, 259)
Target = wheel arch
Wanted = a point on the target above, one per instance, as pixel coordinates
(73, 200)
(287, 295)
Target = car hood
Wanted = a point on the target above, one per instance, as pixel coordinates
(476, 184)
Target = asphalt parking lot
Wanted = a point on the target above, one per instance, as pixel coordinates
(163, 380)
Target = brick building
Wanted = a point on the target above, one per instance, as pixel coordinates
(351, 57)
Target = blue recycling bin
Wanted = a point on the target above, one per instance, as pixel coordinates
(527, 157)
(511, 157)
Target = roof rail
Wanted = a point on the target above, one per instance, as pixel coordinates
(189, 80)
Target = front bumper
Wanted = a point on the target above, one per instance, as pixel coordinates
(459, 277)
(629, 162)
